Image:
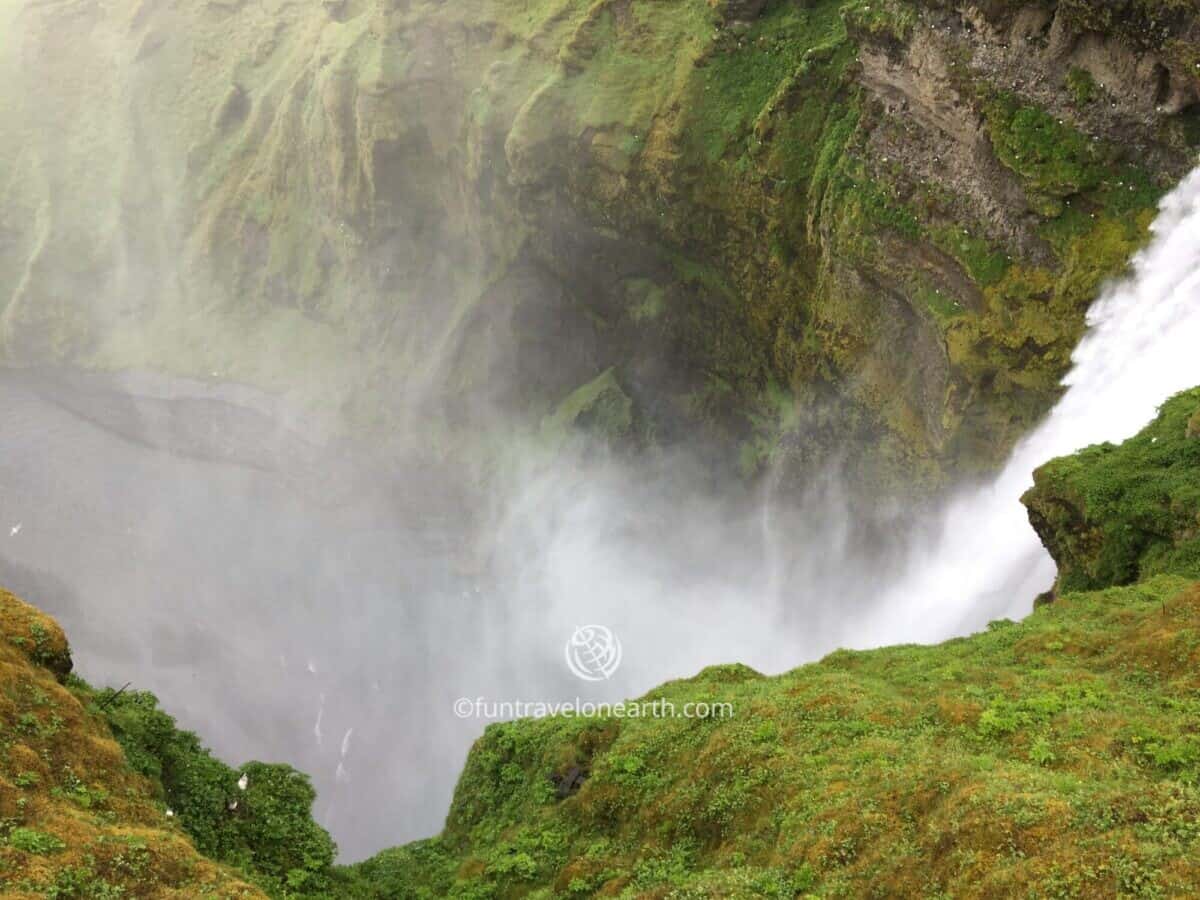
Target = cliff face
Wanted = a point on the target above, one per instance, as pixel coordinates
(787, 225)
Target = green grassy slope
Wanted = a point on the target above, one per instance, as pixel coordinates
(77, 821)
(1113, 515)
(1054, 757)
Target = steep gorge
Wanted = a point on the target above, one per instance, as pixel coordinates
(784, 236)
(1055, 756)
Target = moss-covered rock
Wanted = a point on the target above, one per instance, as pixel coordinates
(1111, 515)
(1056, 755)
(35, 634)
(150, 814)
(599, 407)
(76, 821)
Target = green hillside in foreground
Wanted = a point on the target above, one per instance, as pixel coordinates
(77, 820)
(1054, 757)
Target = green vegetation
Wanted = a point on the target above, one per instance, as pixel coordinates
(1082, 86)
(268, 834)
(744, 75)
(1053, 752)
(1113, 515)
(76, 821)
(32, 841)
(830, 215)
(126, 818)
(775, 229)
(942, 306)
(777, 415)
(1052, 757)
(1055, 756)
(986, 264)
(599, 407)
(1054, 159)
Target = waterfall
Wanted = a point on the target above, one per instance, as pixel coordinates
(1142, 346)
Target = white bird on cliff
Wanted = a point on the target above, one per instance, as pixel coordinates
(243, 782)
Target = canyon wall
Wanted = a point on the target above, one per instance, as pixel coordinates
(794, 232)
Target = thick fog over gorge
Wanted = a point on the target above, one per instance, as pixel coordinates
(325, 602)
(337, 390)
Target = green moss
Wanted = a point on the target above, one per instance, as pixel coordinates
(424, 870)
(750, 148)
(30, 840)
(75, 820)
(268, 834)
(1053, 159)
(881, 18)
(942, 306)
(775, 418)
(1057, 754)
(600, 407)
(620, 74)
(1082, 86)
(985, 263)
(1103, 253)
(1111, 515)
(986, 764)
(742, 75)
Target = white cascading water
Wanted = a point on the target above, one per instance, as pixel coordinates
(1143, 345)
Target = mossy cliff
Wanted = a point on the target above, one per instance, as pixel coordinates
(1115, 515)
(101, 796)
(1055, 757)
(75, 820)
(790, 226)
